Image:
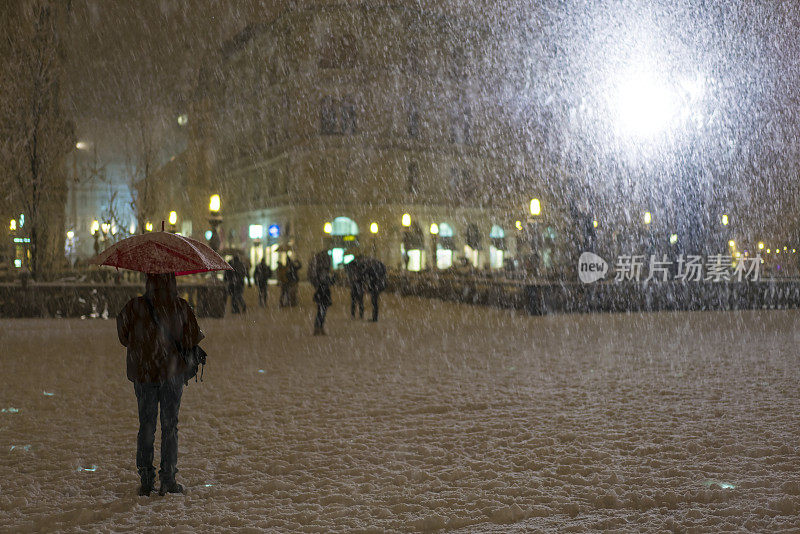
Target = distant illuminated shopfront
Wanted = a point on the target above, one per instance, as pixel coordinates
(445, 247)
(343, 241)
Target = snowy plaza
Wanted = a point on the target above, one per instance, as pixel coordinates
(440, 416)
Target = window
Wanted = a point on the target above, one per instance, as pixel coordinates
(412, 179)
(338, 52)
(337, 116)
(460, 129)
(412, 118)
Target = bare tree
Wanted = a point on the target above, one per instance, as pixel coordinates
(35, 134)
(142, 159)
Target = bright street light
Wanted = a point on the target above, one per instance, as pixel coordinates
(434, 229)
(173, 217)
(214, 204)
(373, 227)
(536, 206)
(406, 220)
(647, 217)
(327, 228)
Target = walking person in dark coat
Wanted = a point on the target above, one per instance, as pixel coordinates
(293, 278)
(355, 277)
(261, 275)
(152, 327)
(235, 280)
(320, 276)
(374, 273)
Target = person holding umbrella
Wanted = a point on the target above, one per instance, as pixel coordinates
(161, 334)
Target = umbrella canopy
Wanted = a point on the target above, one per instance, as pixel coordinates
(161, 252)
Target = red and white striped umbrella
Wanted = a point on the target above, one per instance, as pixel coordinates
(161, 252)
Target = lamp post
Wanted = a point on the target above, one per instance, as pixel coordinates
(214, 219)
(173, 221)
(434, 239)
(406, 222)
(373, 229)
(534, 235)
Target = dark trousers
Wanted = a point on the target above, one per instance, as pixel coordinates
(149, 397)
(356, 299)
(262, 296)
(283, 301)
(374, 298)
(319, 322)
(237, 301)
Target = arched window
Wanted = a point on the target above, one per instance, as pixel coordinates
(497, 248)
(344, 226)
(445, 230)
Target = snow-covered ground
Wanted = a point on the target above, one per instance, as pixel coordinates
(439, 416)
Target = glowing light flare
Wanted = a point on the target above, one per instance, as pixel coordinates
(327, 228)
(173, 217)
(214, 204)
(406, 220)
(647, 217)
(434, 229)
(536, 206)
(724, 220)
(148, 226)
(373, 228)
(256, 231)
(643, 105)
(760, 246)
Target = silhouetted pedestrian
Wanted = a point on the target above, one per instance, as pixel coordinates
(355, 278)
(374, 272)
(293, 279)
(321, 277)
(261, 275)
(235, 281)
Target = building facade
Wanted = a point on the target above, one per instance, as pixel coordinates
(365, 127)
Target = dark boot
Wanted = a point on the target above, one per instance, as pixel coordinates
(169, 486)
(146, 486)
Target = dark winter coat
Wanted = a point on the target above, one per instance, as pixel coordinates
(240, 272)
(319, 265)
(262, 274)
(355, 276)
(293, 271)
(374, 273)
(153, 356)
(322, 295)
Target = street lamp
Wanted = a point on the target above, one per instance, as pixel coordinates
(536, 207)
(373, 228)
(406, 220)
(214, 219)
(434, 239)
(647, 217)
(327, 228)
(173, 220)
(724, 220)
